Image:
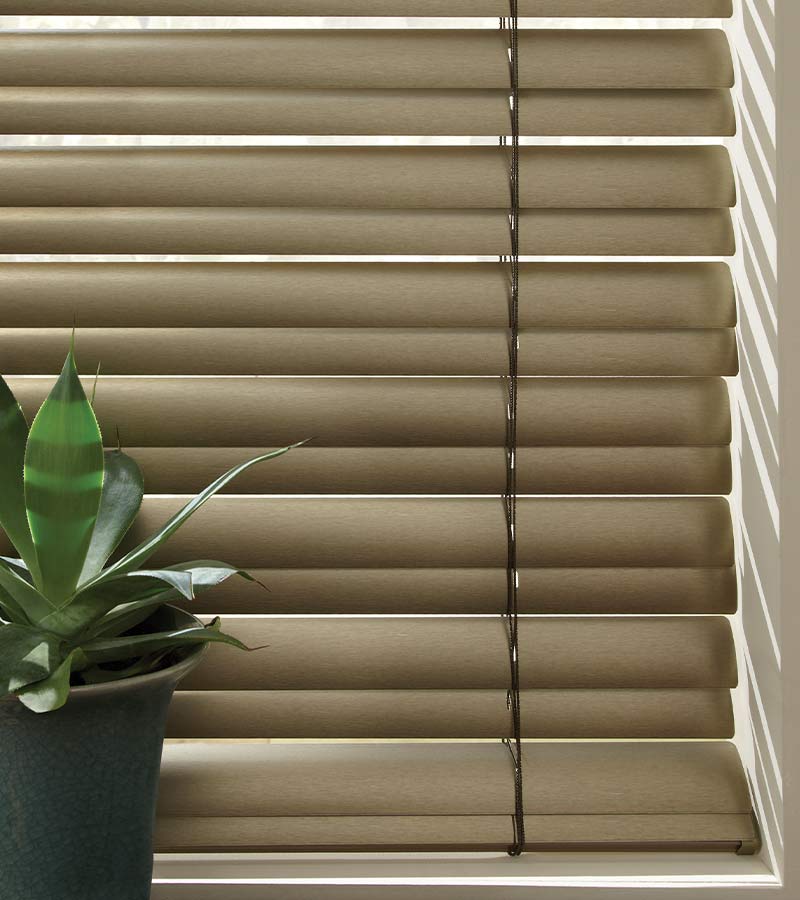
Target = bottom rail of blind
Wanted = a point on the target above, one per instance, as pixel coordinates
(230, 796)
(321, 834)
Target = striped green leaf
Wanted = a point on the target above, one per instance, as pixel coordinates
(13, 435)
(123, 487)
(63, 478)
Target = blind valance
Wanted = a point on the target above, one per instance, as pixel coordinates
(663, 8)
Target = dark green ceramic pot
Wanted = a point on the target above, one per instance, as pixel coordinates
(78, 788)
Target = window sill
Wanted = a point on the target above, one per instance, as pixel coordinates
(229, 876)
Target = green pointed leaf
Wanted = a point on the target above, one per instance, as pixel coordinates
(63, 482)
(179, 580)
(28, 604)
(209, 572)
(27, 655)
(123, 488)
(131, 646)
(206, 573)
(13, 435)
(146, 549)
(50, 693)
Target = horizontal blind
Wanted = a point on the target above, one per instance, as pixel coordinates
(383, 621)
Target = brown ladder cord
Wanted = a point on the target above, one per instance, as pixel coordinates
(514, 743)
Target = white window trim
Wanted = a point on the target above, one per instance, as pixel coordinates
(443, 875)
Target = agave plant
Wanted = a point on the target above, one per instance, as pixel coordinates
(66, 615)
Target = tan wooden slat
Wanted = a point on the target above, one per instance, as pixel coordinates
(441, 470)
(615, 778)
(368, 177)
(363, 111)
(373, 351)
(681, 713)
(444, 532)
(388, 412)
(470, 653)
(341, 294)
(354, 232)
(421, 591)
(447, 532)
(378, 58)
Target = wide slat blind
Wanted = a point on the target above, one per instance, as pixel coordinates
(387, 650)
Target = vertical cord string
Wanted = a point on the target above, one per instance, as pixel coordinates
(514, 743)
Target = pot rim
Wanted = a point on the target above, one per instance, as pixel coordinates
(173, 673)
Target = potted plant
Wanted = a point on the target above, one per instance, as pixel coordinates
(90, 653)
